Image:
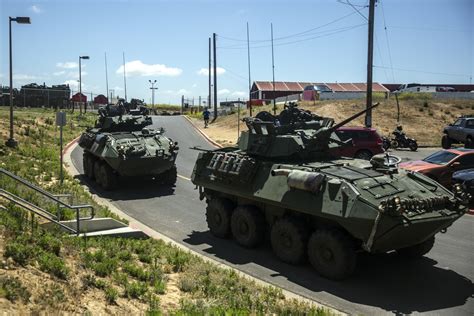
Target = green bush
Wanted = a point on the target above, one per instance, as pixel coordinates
(111, 295)
(105, 268)
(136, 272)
(135, 289)
(19, 252)
(50, 243)
(54, 265)
(12, 289)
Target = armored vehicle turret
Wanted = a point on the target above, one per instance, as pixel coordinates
(283, 179)
(124, 146)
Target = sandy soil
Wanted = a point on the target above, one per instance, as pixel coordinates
(424, 122)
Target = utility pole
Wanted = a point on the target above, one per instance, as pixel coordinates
(106, 79)
(153, 88)
(215, 75)
(273, 70)
(370, 58)
(248, 59)
(124, 77)
(209, 75)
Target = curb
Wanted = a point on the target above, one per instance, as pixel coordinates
(133, 223)
(210, 140)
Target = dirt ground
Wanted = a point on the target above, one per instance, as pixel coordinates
(422, 120)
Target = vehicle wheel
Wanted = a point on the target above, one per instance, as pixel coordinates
(419, 250)
(413, 146)
(363, 154)
(289, 237)
(332, 254)
(96, 168)
(218, 213)
(394, 143)
(169, 176)
(247, 224)
(469, 142)
(108, 179)
(445, 142)
(385, 143)
(86, 165)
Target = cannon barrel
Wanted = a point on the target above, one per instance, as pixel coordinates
(353, 117)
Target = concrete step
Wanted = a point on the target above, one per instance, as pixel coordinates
(125, 232)
(99, 227)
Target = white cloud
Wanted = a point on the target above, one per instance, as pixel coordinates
(117, 88)
(138, 68)
(36, 9)
(182, 91)
(239, 94)
(73, 84)
(59, 73)
(194, 85)
(223, 91)
(68, 65)
(24, 77)
(205, 71)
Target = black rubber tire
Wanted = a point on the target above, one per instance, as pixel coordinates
(247, 225)
(363, 154)
(169, 176)
(469, 142)
(413, 145)
(86, 165)
(108, 179)
(96, 168)
(218, 213)
(445, 142)
(332, 254)
(289, 239)
(394, 144)
(417, 251)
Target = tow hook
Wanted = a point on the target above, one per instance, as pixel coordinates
(443, 231)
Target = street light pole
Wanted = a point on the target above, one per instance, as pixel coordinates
(80, 84)
(153, 91)
(11, 142)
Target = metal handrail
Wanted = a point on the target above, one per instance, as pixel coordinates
(31, 207)
(55, 198)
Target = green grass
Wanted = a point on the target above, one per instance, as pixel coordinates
(128, 268)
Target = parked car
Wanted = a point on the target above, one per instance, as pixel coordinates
(466, 178)
(366, 142)
(441, 165)
(312, 92)
(461, 131)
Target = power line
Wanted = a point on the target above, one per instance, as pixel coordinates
(291, 35)
(345, 29)
(388, 43)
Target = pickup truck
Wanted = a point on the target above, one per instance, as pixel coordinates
(461, 131)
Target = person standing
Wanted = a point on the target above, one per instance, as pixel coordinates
(205, 116)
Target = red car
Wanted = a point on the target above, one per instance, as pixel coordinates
(366, 142)
(441, 165)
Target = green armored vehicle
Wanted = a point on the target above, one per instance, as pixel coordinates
(123, 146)
(282, 180)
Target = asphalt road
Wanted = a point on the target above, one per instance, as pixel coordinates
(440, 283)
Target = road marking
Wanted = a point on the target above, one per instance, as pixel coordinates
(183, 177)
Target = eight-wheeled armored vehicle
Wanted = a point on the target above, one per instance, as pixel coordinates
(283, 180)
(124, 146)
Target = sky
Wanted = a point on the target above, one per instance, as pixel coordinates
(424, 41)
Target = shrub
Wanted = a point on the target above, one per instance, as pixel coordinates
(135, 289)
(19, 252)
(12, 289)
(50, 243)
(136, 272)
(111, 294)
(105, 268)
(54, 265)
